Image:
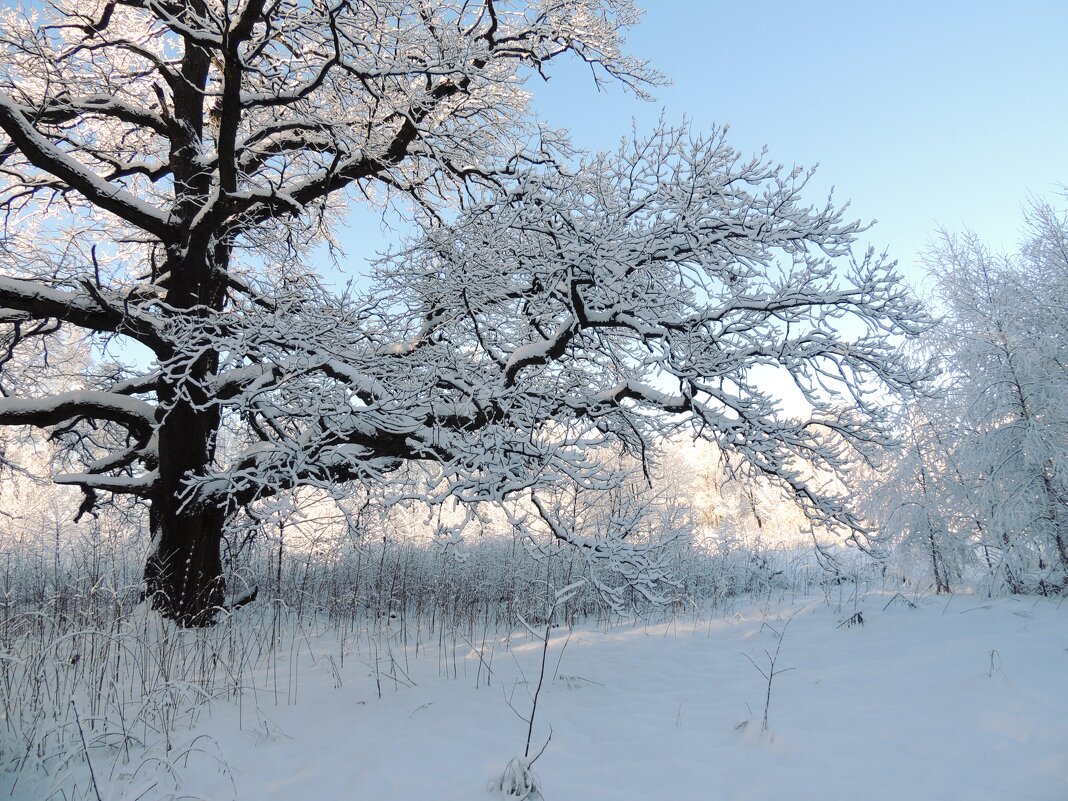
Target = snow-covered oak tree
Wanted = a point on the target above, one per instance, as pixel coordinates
(156, 153)
(167, 167)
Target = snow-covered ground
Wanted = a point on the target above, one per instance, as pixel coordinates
(963, 698)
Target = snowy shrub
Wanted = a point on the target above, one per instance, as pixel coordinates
(518, 782)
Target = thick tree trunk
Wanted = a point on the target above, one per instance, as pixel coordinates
(183, 574)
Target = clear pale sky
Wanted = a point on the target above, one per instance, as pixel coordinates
(922, 114)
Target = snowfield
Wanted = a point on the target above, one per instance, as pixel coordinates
(960, 698)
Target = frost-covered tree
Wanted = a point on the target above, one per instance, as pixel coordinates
(1004, 440)
(918, 497)
(156, 155)
(166, 169)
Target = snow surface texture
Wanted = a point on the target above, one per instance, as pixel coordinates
(956, 699)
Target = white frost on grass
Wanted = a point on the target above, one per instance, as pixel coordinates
(958, 699)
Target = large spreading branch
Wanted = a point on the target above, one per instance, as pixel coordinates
(568, 312)
(85, 306)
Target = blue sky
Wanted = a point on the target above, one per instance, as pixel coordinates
(922, 114)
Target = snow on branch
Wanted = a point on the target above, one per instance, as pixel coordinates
(135, 415)
(84, 306)
(45, 155)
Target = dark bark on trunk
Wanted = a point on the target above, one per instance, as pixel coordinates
(183, 575)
